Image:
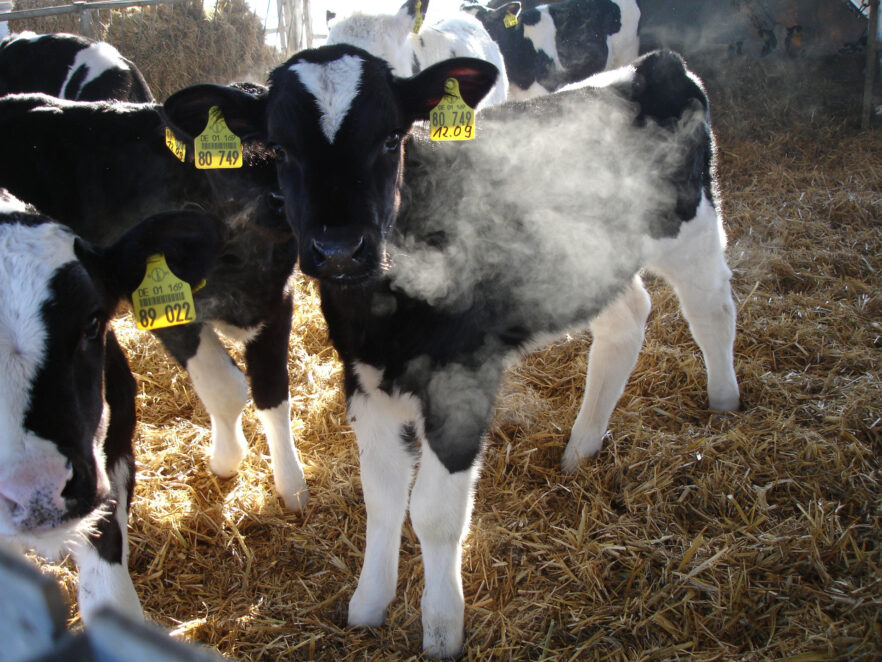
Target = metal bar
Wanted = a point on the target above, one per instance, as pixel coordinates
(870, 72)
(72, 9)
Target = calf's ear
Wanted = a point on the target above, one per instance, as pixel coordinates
(422, 92)
(242, 104)
(191, 242)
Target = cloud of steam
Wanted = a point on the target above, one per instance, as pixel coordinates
(542, 218)
(532, 228)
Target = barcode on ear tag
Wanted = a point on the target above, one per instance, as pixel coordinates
(452, 118)
(162, 299)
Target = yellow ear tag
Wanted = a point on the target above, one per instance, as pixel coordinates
(452, 118)
(217, 146)
(177, 147)
(162, 299)
(509, 20)
(418, 17)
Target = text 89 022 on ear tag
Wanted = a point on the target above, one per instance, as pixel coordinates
(452, 118)
(162, 299)
(217, 147)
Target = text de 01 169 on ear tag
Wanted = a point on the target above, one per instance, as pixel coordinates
(162, 299)
(452, 118)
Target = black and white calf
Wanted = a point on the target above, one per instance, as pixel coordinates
(437, 263)
(552, 45)
(67, 397)
(392, 37)
(98, 168)
(70, 67)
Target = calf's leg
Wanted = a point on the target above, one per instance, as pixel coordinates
(440, 509)
(617, 334)
(266, 360)
(102, 558)
(219, 384)
(694, 264)
(385, 427)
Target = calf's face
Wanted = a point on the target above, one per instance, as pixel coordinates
(52, 323)
(57, 294)
(336, 118)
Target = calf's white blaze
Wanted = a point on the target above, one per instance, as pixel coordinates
(334, 85)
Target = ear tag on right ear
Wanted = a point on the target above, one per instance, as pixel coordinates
(177, 147)
(162, 299)
(452, 118)
(217, 146)
(418, 16)
(509, 20)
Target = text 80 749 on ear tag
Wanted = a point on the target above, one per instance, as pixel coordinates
(452, 118)
(217, 147)
(162, 299)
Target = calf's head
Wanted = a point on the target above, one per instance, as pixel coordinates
(336, 118)
(57, 294)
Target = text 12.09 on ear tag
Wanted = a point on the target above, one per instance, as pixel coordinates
(452, 118)
(162, 299)
(177, 147)
(217, 147)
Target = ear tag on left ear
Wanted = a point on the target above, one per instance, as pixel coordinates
(509, 20)
(217, 146)
(452, 118)
(162, 299)
(177, 147)
(418, 16)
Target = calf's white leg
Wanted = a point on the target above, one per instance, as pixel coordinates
(381, 423)
(287, 471)
(223, 390)
(617, 338)
(440, 508)
(694, 264)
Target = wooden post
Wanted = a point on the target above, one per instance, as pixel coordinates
(86, 24)
(872, 58)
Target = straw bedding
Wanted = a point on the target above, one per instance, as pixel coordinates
(692, 535)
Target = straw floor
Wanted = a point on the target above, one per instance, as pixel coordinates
(693, 535)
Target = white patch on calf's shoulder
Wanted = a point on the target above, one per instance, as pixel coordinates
(379, 417)
(97, 59)
(543, 34)
(334, 85)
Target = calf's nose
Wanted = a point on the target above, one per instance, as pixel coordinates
(338, 256)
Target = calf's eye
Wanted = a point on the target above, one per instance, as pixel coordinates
(93, 329)
(393, 141)
(278, 151)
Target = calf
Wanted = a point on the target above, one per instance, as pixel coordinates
(67, 402)
(393, 38)
(552, 45)
(98, 168)
(70, 67)
(437, 263)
